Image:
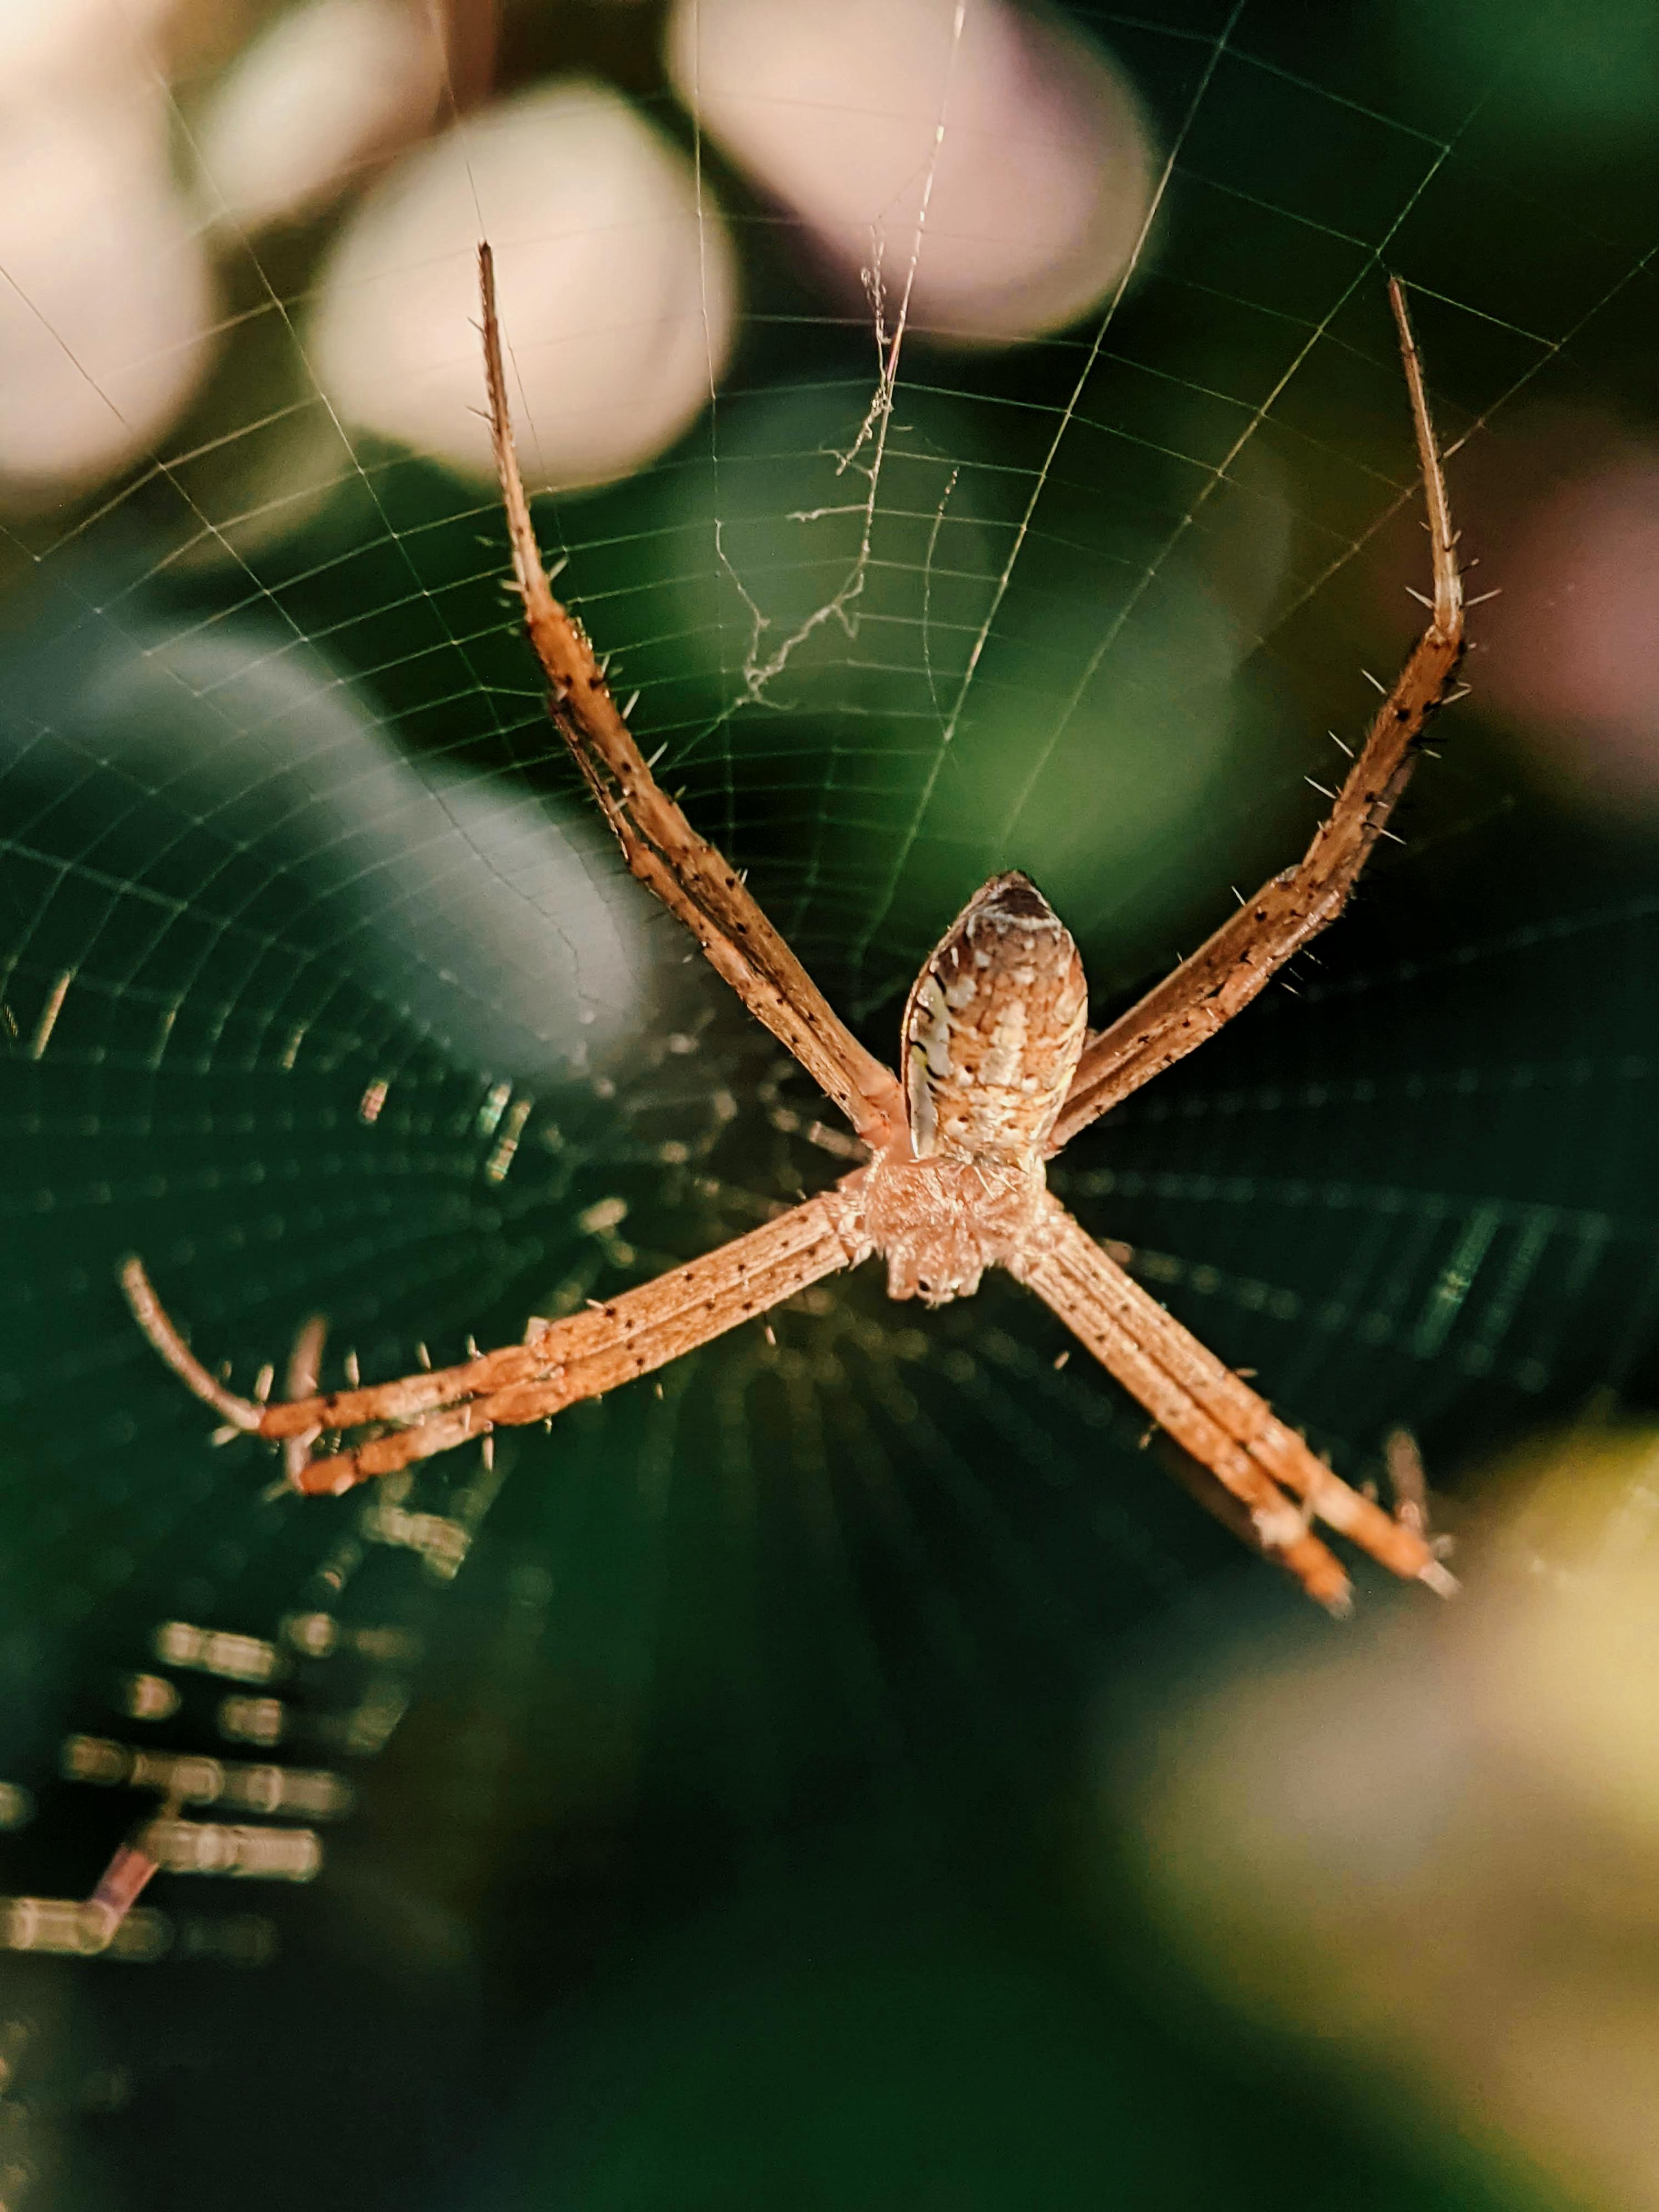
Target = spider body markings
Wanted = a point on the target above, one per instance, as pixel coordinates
(1000, 1072)
(992, 1033)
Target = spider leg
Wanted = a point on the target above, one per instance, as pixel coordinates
(592, 1352)
(1232, 966)
(129, 1873)
(581, 1357)
(152, 1318)
(1407, 1480)
(693, 880)
(1215, 1415)
(305, 1362)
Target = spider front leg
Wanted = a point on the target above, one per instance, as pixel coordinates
(1236, 963)
(581, 1357)
(694, 880)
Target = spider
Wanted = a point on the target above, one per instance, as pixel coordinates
(1000, 1073)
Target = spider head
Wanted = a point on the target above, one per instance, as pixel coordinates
(994, 1027)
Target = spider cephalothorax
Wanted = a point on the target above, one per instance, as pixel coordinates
(992, 1032)
(998, 1074)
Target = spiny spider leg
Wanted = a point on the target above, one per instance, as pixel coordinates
(581, 1357)
(304, 1368)
(1232, 966)
(152, 1317)
(1407, 1480)
(1215, 1415)
(694, 881)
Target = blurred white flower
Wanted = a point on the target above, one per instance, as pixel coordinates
(614, 278)
(328, 89)
(109, 302)
(65, 47)
(993, 150)
(984, 164)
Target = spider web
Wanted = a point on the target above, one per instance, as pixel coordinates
(322, 994)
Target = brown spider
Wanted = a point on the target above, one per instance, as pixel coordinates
(1000, 1071)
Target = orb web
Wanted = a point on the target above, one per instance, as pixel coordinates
(322, 992)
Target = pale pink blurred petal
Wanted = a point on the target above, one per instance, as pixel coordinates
(329, 88)
(615, 275)
(64, 46)
(107, 299)
(997, 151)
(1566, 514)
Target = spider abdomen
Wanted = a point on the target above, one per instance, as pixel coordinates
(994, 1027)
